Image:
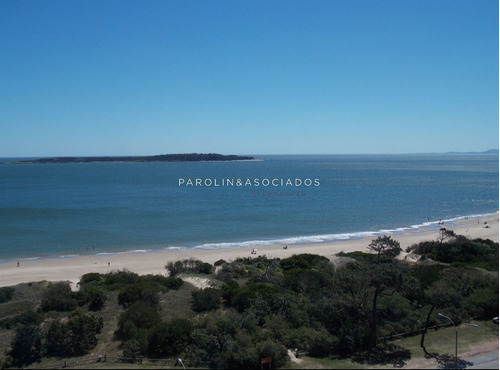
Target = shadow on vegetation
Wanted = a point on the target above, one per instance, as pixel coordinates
(390, 354)
(448, 362)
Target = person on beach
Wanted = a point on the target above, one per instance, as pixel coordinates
(18, 264)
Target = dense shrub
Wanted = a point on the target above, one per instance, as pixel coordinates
(164, 283)
(75, 337)
(303, 261)
(26, 318)
(191, 265)
(478, 252)
(302, 280)
(427, 274)
(91, 277)
(26, 346)
(95, 297)
(117, 279)
(275, 350)
(229, 290)
(169, 339)
(6, 294)
(205, 299)
(321, 343)
(246, 295)
(59, 297)
(140, 315)
(131, 349)
(138, 292)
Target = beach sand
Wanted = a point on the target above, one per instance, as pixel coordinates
(71, 269)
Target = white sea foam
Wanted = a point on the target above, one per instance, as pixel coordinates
(315, 239)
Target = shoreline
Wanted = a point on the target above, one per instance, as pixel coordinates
(316, 239)
(71, 268)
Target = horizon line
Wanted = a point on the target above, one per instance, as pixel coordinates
(488, 151)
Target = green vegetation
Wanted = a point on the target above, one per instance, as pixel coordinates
(6, 294)
(189, 265)
(460, 250)
(259, 307)
(188, 157)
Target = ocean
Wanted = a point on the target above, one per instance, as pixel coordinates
(64, 210)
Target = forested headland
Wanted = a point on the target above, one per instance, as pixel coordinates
(188, 157)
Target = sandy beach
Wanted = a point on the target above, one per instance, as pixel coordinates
(71, 269)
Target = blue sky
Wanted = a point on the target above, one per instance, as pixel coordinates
(248, 77)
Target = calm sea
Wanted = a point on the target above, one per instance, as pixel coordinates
(90, 208)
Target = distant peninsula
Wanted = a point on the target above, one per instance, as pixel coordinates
(191, 157)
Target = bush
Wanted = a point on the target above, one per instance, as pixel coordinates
(59, 297)
(95, 297)
(229, 291)
(117, 279)
(321, 343)
(245, 296)
(303, 261)
(164, 283)
(175, 268)
(170, 339)
(6, 294)
(26, 318)
(275, 350)
(245, 355)
(192, 265)
(74, 338)
(140, 315)
(478, 252)
(172, 283)
(26, 346)
(138, 292)
(205, 268)
(205, 299)
(306, 281)
(91, 277)
(131, 349)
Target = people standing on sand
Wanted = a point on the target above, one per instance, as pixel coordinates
(18, 264)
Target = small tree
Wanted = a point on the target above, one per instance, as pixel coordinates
(138, 292)
(131, 349)
(73, 338)
(6, 294)
(59, 297)
(95, 296)
(206, 299)
(140, 315)
(170, 338)
(26, 346)
(445, 234)
(386, 245)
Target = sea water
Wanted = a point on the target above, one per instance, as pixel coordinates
(90, 208)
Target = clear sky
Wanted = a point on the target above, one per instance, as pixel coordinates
(248, 77)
